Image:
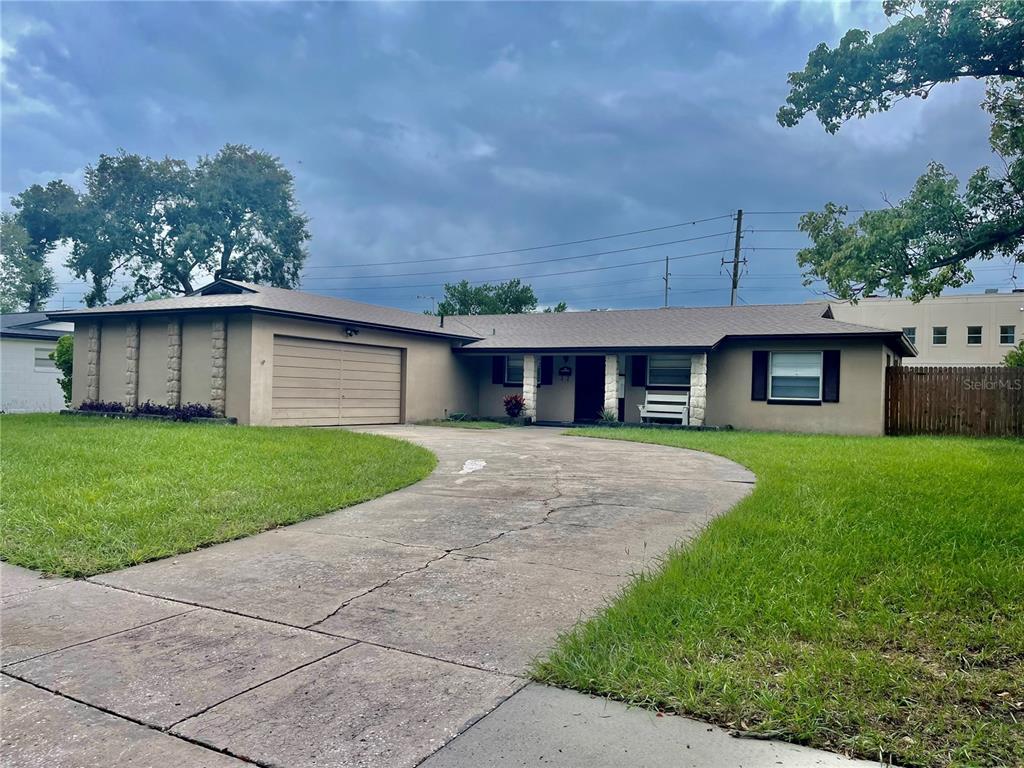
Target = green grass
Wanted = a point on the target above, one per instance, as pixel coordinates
(87, 495)
(867, 597)
(466, 424)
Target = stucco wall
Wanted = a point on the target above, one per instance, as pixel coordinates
(23, 387)
(112, 360)
(861, 390)
(153, 360)
(436, 381)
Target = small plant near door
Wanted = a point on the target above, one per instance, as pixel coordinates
(514, 405)
(608, 416)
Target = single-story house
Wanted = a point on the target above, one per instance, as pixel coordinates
(28, 377)
(274, 356)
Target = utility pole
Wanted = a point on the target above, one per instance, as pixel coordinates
(433, 303)
(736, 258)
(665, 278)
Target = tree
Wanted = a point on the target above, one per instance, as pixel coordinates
(63, 357)
(1015, 357)
(559, 307)
(512, 297)
(924, 243)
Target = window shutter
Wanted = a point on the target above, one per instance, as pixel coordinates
(759, 376)
(547, 370)
(639, 375)
(498, 369)
(830, 376)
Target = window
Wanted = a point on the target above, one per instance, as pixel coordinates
(795, 376)
(514, 370)
(974, 335)
(911, 333)
(668, 371)
(43, 361)
(1007, 334)
(939, 335)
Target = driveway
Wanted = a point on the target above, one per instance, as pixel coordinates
(387, 634)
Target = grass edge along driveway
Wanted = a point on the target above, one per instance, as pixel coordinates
(86, 495)
(867, 597)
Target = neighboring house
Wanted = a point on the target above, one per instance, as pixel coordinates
(28, 377)
(280, 357)
(960, 329)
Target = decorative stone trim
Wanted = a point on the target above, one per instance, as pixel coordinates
(611, 384)
(131, 356)
(529, 387)
(92, 361)
(174, 362)
(218, 364)
(698, 388)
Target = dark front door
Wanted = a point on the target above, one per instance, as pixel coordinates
(589, 388)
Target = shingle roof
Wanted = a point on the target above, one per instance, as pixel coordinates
(690, 327)
(281, 300)
(24, 325)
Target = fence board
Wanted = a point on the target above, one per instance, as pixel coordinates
(984, 401)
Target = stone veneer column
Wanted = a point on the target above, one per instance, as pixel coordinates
(174, 362)
(218, 364)
(611, 384)
(698, 388)
(529, 387)
(92, 360)
(131, 371)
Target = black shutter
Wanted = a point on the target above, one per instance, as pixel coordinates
(830, 376)
(547, 370)
(759, 377)
(498, 369)
(639, 377)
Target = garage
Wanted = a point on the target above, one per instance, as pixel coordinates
(327, 383)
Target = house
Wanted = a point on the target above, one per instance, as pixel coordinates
(959, 329)
(28, 377)
(273, 356)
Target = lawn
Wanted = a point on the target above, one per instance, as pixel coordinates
(867, 597)
(87, 495)
(465, 424)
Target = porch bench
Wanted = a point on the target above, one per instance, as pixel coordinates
(663, 405)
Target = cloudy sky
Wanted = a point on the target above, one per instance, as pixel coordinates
(422, 132)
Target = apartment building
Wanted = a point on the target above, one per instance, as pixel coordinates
(959, 329)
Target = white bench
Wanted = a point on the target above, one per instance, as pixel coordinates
(662, 405)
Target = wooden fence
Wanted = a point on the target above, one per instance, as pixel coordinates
(977, 400)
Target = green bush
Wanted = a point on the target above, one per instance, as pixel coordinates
(63, 357)
(1015, 357)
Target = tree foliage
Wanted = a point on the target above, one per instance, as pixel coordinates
(1015, 357)
(924, 243)
(512, 297)
(63, 357)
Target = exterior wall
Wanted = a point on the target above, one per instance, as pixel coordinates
(555, 401)
(23, 387)
(153, 359)
(860, 410)
(956, 312)
(237, 403)
(112, 360)
(436, 383)
(196, 340)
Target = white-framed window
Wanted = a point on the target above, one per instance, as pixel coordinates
(1007, 334)
(514, 370)
(973, 335)
(42, 359)
(911, 333)
(939, 333)
(794, 376)
(668, 371)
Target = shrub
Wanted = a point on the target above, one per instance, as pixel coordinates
(1015, 357)
(63, 357)
(514, 405)
(149, 408)
(190, 411)
(183, 412)
(101, 406)
(608, 416)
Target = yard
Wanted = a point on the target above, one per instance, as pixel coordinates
(868, 598)
(87, 495)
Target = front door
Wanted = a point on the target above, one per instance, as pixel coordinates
(589, 387)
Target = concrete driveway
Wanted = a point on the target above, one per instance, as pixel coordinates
(388, 634)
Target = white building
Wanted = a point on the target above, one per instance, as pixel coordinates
(959, 329)
(28, 377)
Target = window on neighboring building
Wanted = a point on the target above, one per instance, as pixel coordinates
(1007, 334)
(974, 335)
(911, 333)
(514, 370)
(939, 335)
(668, 371)
(795, 376)
(43, 361)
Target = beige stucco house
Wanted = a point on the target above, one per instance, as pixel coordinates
(270, 356)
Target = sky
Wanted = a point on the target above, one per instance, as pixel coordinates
(427, 133)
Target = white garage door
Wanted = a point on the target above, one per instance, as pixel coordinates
(323, 383)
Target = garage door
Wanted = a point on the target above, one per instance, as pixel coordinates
(324, 383)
